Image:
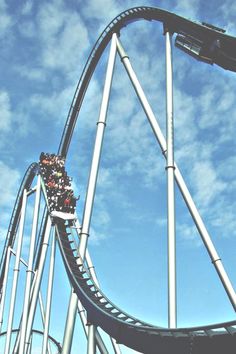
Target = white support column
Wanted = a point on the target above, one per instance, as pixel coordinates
(91, 339)
(43, 318)
(17, 340)
(99, 341)
(70, 323)
(33, 302)
(101, 124)
(179, 179)
(88, 208)
(29, 271)
(95, 279)
(215, 258)
(4, 287)
(172, 308)
(83, 318)
(29, 350)
(49, 295)
(16, 274)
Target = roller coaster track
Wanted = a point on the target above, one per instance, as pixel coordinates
(36, 331)
(14, 221)
(146, 338)
(133, 332)
(126, 329)
(224, 54)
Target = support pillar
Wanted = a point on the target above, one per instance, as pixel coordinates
(101, 124)
(15, 274)
(91, 339)
(29, 271)
(170, 168)
(39, 274)
(4, 287)
(216, 260)
(49, 295)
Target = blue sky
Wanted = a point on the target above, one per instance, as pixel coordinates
(44, 46)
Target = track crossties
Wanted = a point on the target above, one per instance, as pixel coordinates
(130, 331)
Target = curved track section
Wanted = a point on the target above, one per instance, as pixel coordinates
(126, 329)
(222, 52)
(218, 338)
(14, 221)
(36, 331)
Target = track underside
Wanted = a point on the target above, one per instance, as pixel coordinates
(132, 332)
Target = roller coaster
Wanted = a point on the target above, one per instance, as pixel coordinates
(203, 42)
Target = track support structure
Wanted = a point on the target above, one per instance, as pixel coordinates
(36, 289)
(170, 168)
(216, 260)
(127, 330)
(4, 287)
(16, 274)
(89, 201)
(49, 294)
(29, 271)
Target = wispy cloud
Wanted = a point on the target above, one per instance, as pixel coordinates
(55, 104)
(10, 179)
(35, 73)
(61, 32)
(227, 11)
(102, 10)
(5, 19)
(206, 183)
(187, 9)
(27, 8)
(189, 235)
(28, 29)
(5, 113)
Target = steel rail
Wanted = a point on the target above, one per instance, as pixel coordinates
(36, 331)
(137, 335)
(129, 330)
(132, 332)
(222, 51)
(15, 217)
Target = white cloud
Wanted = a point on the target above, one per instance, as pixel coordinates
(27, 8)
(224, 218)
(227, 11)
(206, 183)
(192, 151)
(89, 112)
(227, 99)
(102, 212)
(226, 168)
(189, 234)
(216, 100)
(3, 233)
(5, 111)
(28, 29)
(103, 10)
(96, 237)
(184, 117)
(129, 142)
(187, 9)
(62, 34)
(105, 178)
(9, 182)
(31, 73)
(54, 105)
(5, 19)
